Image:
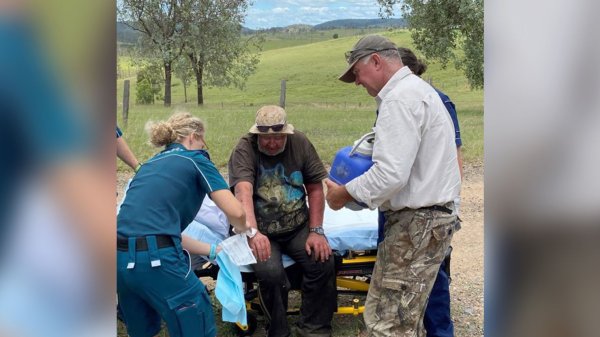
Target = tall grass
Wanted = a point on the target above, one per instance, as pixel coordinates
(328, 128)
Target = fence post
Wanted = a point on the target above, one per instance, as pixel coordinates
(125, 102)
(282, 95)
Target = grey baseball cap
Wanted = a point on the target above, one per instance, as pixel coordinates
(366, 46)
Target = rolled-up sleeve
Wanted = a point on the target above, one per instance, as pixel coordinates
(397, 140)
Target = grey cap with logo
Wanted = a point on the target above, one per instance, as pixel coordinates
(366, 46)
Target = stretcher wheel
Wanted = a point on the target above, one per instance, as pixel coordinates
(252, 322)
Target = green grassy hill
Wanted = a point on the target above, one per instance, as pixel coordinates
(330, 112)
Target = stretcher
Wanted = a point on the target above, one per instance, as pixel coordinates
(351, 234)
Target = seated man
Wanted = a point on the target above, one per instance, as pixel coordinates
(273, 170)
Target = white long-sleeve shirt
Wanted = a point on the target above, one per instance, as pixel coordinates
(414, 153)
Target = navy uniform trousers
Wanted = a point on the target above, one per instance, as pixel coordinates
(158, 283)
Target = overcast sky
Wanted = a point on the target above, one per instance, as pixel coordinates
(280, 13)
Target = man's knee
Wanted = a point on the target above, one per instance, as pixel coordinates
(270, 273)
(318, 269)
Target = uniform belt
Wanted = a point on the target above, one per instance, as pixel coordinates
(438, 208)
(162, 241)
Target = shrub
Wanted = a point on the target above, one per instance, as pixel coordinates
(149, 78)
(335, 36)
(144, 93)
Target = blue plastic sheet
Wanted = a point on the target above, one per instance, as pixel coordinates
(229, 290)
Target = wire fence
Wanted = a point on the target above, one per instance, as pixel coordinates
(362, 102)
(290, 105)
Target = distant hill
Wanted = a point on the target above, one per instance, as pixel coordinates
(291, 29)
(360, 23)
(344, 23)
(246, 30)
(126, 35)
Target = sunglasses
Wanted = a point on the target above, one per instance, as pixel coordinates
(265, 128)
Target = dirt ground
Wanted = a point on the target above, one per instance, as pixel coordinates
(466, 289)
(467, 258)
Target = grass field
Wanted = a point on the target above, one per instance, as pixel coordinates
(331, 113)
(311, 72)
(329, 128)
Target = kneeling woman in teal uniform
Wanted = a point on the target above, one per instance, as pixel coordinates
(154, 279)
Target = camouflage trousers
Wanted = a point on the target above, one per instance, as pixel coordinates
(407, 264)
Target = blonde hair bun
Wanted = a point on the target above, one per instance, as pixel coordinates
(174, 129)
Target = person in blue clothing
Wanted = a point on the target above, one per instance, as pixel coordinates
(154, 278)
(437, 319)
(124, 152)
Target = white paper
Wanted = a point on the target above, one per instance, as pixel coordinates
(238, 250)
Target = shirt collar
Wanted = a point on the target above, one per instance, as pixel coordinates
(391, 83)
(175, 147)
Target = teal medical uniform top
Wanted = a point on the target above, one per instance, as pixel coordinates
(167, 192)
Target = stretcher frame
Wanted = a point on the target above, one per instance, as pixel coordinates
(349, 267)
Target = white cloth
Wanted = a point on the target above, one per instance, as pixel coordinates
(200, 232)
(414, 152)
(238, 250)
(212, 217)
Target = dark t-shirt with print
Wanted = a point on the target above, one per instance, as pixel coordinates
(278, 181)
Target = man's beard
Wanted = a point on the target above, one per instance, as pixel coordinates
(265, 151)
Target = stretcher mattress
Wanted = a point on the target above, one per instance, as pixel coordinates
(344, 229)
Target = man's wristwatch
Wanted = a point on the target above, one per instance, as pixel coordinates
(319, 230)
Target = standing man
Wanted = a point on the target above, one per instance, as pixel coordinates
(274, 170)
(437, 319)
(414, 180)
